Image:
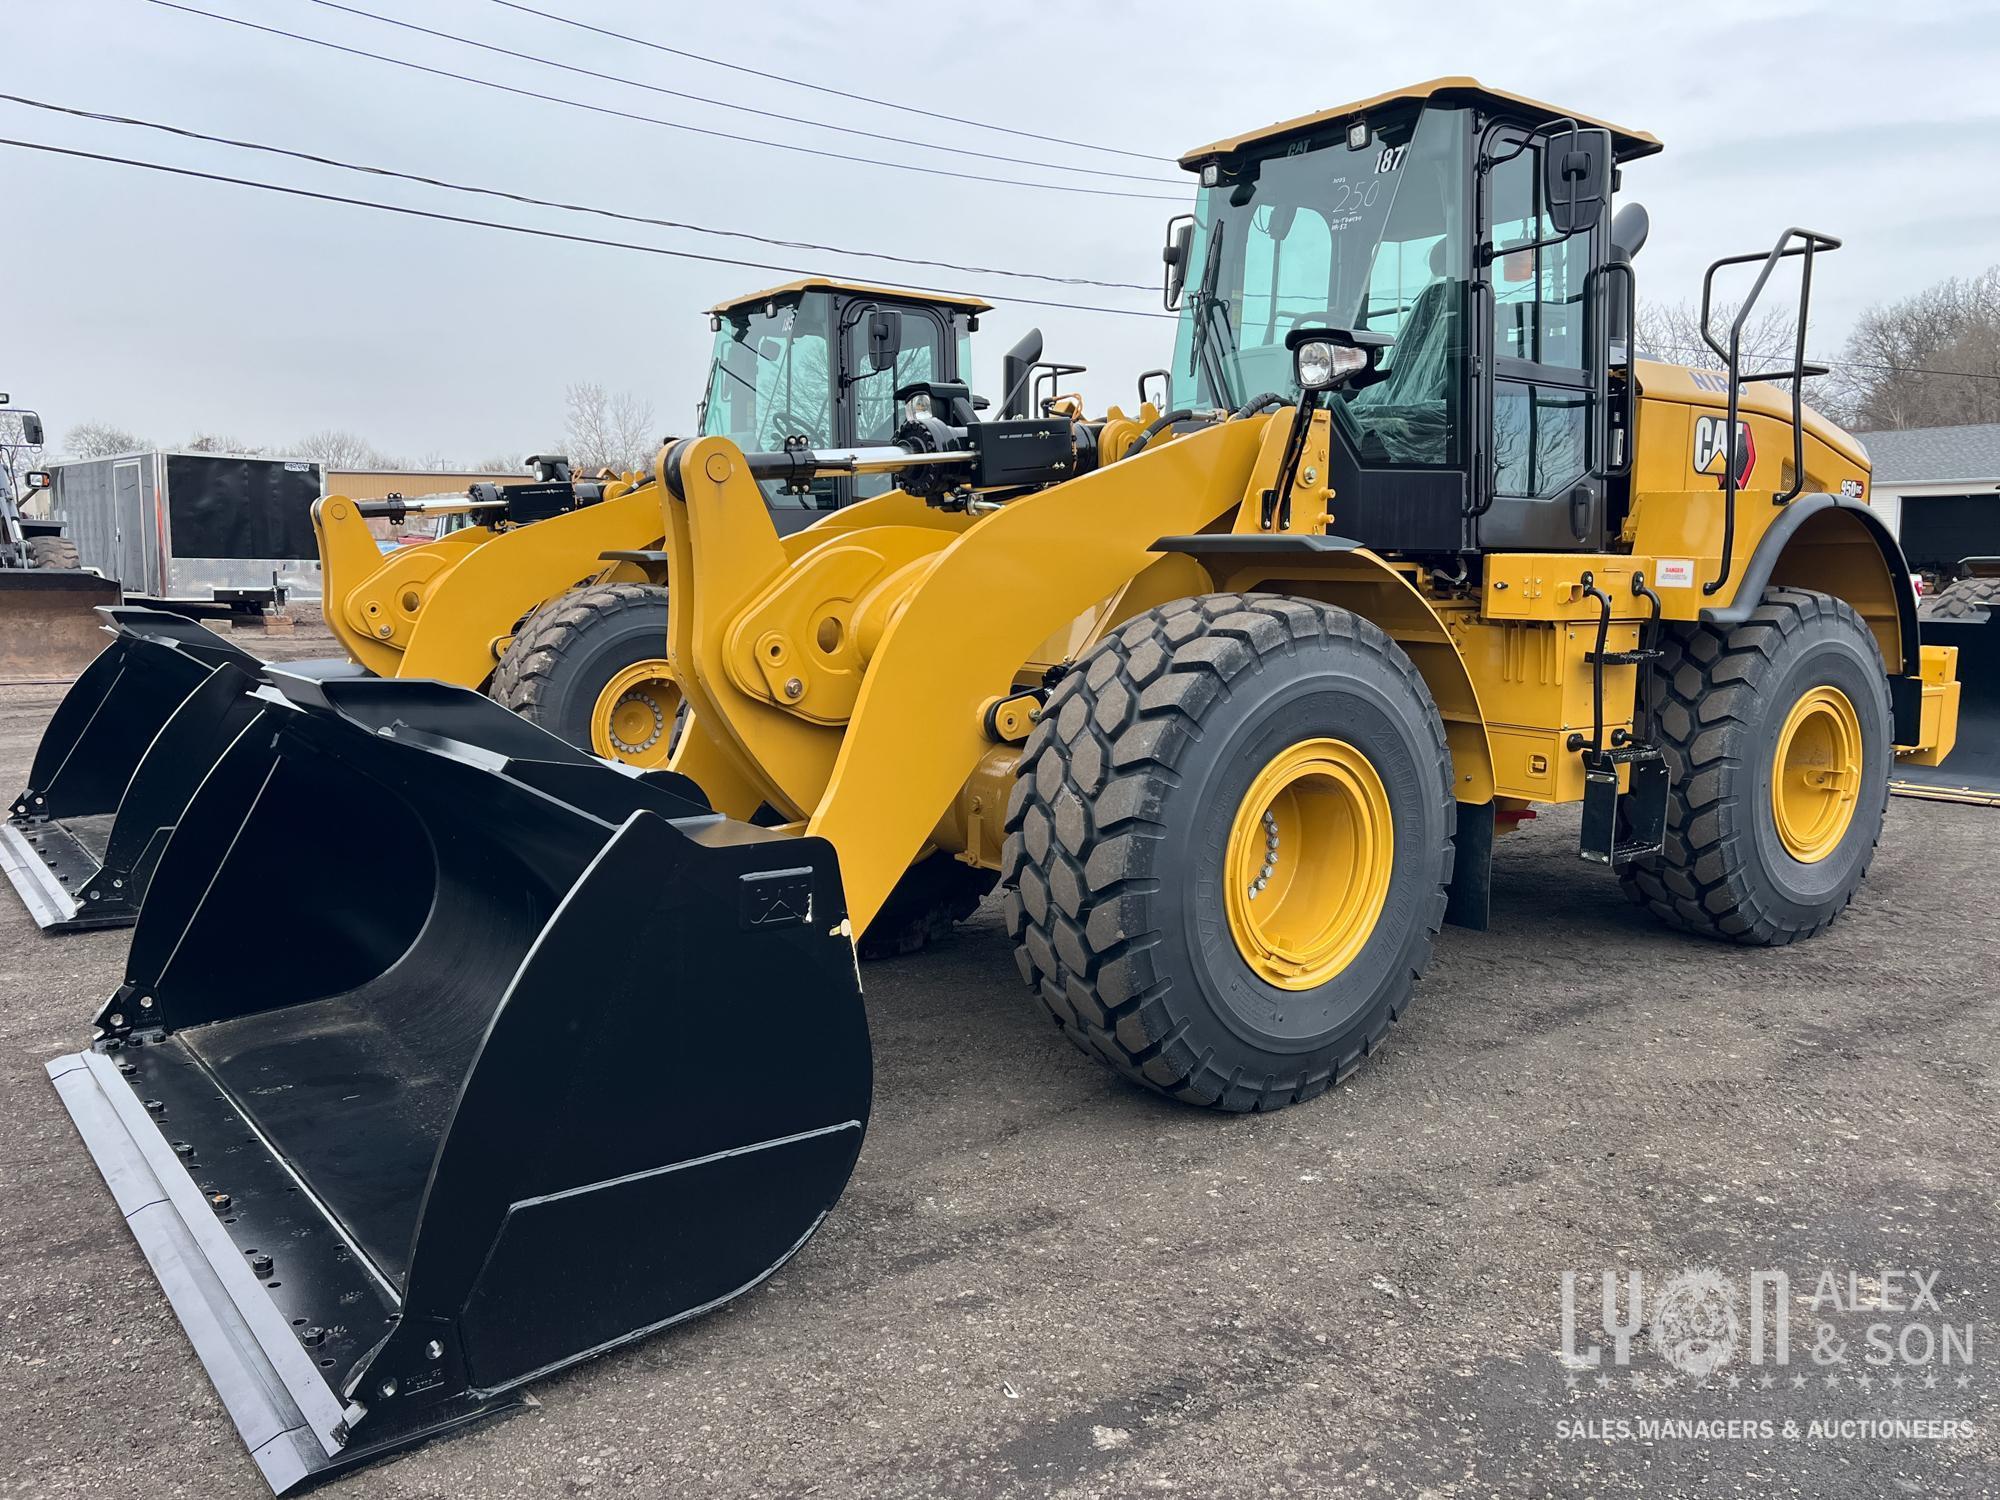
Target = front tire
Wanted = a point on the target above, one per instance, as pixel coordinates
(590, 667)
(1212, 747)
(1777, 736)
(54, 552)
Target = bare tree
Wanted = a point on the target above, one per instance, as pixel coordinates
(100, 439)
(1672, 331)
(216, 442)
(498, 464)
(603, 430)
(337, 448)
(1931, 359)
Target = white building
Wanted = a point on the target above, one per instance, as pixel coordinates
(1939, 490)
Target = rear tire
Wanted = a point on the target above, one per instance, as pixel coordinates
(1961, 600)
(1718, 705)
(561, 668)
(54, 552)
(1123, 828)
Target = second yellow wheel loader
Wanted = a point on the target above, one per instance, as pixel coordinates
(552, 595)
(565, 621)
(1234, 705)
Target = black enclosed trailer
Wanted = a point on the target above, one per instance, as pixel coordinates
(195, 529)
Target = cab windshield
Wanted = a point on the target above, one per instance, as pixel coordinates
(770, 376)
(1314, 234)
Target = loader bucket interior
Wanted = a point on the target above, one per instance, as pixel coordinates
(1971, 773)
(48, 622)
(123, 752)
(533, 1055)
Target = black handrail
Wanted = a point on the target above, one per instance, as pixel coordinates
(1809, 243)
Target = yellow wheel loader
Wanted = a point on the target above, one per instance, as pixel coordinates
(1233, 702)
(577, 559)
(565, 621)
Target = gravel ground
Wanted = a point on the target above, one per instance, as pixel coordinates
(1043, 1282)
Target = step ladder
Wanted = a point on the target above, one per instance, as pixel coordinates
(1620, 826)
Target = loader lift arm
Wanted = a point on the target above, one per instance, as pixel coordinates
(877, 787)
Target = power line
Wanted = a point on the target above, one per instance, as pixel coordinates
(1841, 364)
(768, 114)
(523, 198)
(626, 114)
(821, 88)
(543, 234)
(723, 260)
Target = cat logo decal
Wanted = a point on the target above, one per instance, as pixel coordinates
(1711, 448)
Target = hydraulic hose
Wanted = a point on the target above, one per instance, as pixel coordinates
(1256, 404)
(1158, 426)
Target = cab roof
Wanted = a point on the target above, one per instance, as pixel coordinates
(859, 288)
(1625, 144)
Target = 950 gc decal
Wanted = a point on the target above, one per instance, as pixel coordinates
(1711, 448)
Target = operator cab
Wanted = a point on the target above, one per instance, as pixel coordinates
(822, 360)
(1458, 240)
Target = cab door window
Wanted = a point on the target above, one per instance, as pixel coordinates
(1542, 399)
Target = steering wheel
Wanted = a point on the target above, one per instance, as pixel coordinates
(781, 424)
(1324, 318)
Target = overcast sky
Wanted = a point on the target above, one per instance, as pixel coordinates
(169, 306)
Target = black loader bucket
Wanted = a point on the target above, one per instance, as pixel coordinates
(48, 622)
(448, 1055)
(1971, 773)
(80, 842)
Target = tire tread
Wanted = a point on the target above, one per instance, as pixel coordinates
(524, 677)
(1084, 835)
(1702, 698)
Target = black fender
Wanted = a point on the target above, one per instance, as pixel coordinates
(1771, 546)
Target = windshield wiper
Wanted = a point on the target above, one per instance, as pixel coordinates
(1208, 306)
(747, 384)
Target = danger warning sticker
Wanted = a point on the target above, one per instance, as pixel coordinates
(1674, 573)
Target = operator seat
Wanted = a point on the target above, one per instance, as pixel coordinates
(1407, 411)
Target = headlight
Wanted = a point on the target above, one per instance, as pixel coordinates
(917, 406)
(1320, 364)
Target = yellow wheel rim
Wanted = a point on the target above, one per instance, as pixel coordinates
(1816, 774)
(1307, 870)
(633, 719)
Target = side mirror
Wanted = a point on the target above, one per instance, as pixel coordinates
(770, 349)
(885, 338)
(1180, 240)
(39, 479)
(31, 429)
(1017, 366)
(1576, 177)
